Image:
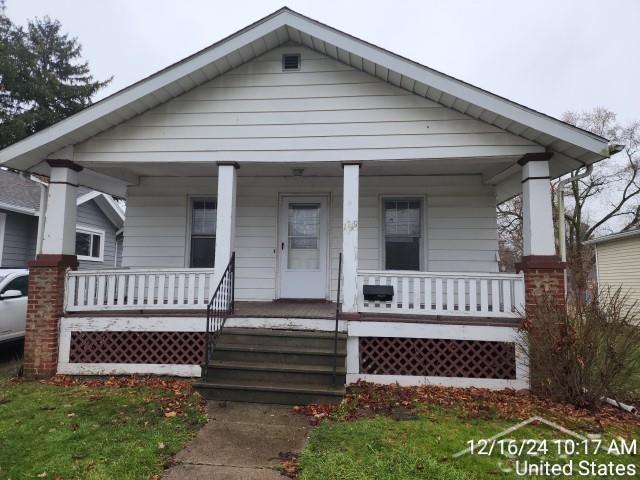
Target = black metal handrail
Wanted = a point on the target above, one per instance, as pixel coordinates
(335, 334)
(218, 309)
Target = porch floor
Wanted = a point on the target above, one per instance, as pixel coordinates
(284, 309)
(309, 310)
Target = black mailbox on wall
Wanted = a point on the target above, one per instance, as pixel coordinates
(378, 293)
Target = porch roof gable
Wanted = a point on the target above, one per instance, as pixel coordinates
(573, 147)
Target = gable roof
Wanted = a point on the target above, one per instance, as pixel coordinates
(613, 236)
(573, 146)
(22, 195)
(105, 202)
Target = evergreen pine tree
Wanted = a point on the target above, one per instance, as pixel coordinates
(42, 77)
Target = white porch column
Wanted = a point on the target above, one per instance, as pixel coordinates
(537, 215)
(350, 192)
(226, 216)
(59, 236)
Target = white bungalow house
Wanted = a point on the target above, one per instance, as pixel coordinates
(291, 144)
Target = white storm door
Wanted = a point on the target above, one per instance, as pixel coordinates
(303, 244)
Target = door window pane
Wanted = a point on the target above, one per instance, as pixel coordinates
(402, 234)
(303, 236)
(203, 233)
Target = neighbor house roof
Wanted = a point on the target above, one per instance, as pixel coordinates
(18, 193)
(22, 195)
(105, 202)
(614, 236)
(573, 147)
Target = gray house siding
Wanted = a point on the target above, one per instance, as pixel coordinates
(119, 247)
(20, 234)
(90, 215)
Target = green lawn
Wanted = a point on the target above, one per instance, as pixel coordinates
(100, 431)
(380, 447)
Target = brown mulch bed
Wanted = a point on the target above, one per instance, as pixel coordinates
(367, 399)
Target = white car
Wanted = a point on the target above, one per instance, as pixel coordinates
(13, 303)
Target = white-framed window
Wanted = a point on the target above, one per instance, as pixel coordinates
(90, 244)
(402, 225)
(202, 241)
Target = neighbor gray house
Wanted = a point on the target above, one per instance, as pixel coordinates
(98, 228)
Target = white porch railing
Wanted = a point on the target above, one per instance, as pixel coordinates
(139, 289)
(454, 294)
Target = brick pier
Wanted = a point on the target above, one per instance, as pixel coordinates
(543, 278)
(44, 308)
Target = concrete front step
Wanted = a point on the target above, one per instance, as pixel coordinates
(226, 371)
(276, 354)
(293, 338)
(261, 392)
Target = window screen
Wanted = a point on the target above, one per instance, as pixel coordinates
(403, 229)
(203, 233)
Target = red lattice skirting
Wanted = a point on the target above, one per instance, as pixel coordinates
(437, 357)
(177, 348)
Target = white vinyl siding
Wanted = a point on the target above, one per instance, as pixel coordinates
(619, 265)
(459, 215)
(326, 111)
(155, 228)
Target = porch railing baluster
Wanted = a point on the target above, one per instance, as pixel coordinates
(138, 289)
(218, 309)
(488, 294)
(335, 333)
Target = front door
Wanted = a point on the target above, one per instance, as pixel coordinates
(303, 243)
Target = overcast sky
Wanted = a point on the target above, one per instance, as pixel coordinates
(551, 55)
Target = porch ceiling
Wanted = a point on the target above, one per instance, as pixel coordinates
(573, 147)
(447, 166)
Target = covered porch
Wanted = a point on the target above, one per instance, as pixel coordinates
(307, 242)
(426, 229)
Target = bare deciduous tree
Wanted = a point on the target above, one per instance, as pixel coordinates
(510, 233)
(606, 201)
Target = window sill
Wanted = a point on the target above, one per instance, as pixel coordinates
(90, 259)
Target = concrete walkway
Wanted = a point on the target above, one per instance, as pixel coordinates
(241, 441)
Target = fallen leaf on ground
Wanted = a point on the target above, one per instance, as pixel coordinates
(365, 399)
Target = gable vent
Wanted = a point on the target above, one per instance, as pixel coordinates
(291, 61)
